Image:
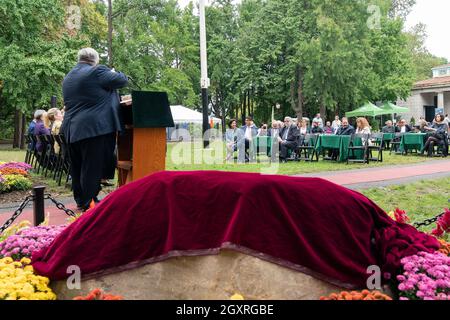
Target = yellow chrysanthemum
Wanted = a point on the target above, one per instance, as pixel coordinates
(237, 296)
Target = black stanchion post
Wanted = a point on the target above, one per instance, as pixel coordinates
(38, 205)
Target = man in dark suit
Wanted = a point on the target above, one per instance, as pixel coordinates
(288, 139)
(91, 122)
(346, 129)
(402, 127)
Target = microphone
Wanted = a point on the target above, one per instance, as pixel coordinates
(133, 82)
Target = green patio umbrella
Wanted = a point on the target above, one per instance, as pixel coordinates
(390, 108)
(367, 110)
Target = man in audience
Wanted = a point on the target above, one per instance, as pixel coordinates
(250, 131)
(403, 127)
(288, 138)
(389, 127)
(316, 129)
(319, 120)
(346, 129)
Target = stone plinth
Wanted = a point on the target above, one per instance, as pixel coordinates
(215, 277)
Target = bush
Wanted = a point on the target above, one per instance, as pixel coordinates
(14, 182)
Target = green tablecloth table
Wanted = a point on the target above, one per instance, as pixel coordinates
(340, 143)
(412, 141)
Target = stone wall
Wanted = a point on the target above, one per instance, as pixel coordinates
(215, 277)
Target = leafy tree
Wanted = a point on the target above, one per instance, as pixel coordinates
(153, 44)
(36, 51)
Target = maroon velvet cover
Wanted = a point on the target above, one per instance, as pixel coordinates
(307, 224)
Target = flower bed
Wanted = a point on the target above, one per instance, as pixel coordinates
(98, 294)
(357, 295)
(14, 177)
(426, 276)
(18, 282)
(25, 242)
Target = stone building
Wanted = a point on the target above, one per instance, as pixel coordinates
(431, 96)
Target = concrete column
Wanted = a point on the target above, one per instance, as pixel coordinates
(441, 100)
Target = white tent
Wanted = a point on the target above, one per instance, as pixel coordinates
(182, 114)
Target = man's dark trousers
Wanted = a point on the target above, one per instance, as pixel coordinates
(88, 160)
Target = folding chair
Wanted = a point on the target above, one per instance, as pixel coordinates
(352, 149)
(306, 150)
(29, 151)
(377, 148)
(395, 144)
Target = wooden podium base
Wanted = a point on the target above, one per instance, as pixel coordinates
(149, 155)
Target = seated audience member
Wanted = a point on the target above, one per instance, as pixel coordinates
(288, 138)
(346, 129)
(232, 137)
(447, 120)
(336, 124)
(274, 131)
(403, 127)
(438, 136)
(56, 126)
(263, 132)
(32, 126)
(328, 128)
(303, 130)
(389, 127)
(40, 129)
(51, 116)
(316, 129)
(319, 120)
(421, 125)
(303, 127)
(363, 128)
(250, 131)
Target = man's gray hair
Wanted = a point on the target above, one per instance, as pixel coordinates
(88, 55)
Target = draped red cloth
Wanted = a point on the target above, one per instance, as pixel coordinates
(306, 224)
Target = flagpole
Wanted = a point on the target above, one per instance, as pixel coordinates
(204, 73)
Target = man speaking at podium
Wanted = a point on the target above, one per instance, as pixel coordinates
(91, 122)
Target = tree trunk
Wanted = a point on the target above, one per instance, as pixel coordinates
(24, 130)
(323, 112)
(299, 94)
(293, 102)
(18, 129)
(244, 108)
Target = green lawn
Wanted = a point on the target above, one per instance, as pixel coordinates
(196, 159)
(421, 200)
(194, 155)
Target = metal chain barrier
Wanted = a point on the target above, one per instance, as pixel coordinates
(29, 199)
(16, 214)
(428, 222)
(60, 205)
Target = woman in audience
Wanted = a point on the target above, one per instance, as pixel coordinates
(40, 129)
(56, 126)
(231, 137)
(363, 128)
(303, 127)
(336, 124)
(328, 129)
(51, 116)
(438, 136)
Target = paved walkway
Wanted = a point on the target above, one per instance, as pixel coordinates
(388, 175)
(354, 179)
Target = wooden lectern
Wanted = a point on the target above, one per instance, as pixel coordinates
(141, 148)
